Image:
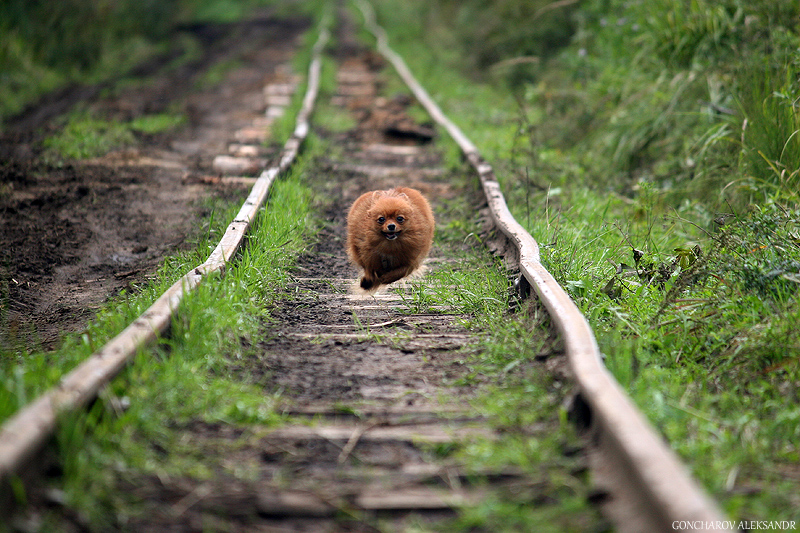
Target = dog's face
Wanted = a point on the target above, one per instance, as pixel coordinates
(390, 216)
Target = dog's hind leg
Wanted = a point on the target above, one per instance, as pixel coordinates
(395, 274)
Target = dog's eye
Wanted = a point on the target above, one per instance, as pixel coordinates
(381, 220)
(400, 219)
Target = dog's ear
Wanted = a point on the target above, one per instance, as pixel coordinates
(378, 194)
(403, 195)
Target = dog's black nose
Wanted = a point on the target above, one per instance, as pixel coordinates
(391, 227)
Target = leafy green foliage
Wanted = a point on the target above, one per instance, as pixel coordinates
(682, 94)
(770, 136)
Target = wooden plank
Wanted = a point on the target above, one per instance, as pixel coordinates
(394, 149)
(393, 414)
(354, 76)
(237, 165)
(389, 171)
(307, 504)
(285, 89)
(421, 498)
(447, 338)
(436, 433)
(293, 503)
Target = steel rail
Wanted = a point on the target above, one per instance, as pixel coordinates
(26, 432)
(663, 485)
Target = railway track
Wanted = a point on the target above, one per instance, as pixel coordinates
(364, 378)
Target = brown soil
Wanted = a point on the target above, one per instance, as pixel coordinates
(73, 234)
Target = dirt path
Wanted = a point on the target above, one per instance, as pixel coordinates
(74, 234)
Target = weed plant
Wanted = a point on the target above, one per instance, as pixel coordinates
(654, 158)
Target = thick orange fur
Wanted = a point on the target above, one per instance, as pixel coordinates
(389, 234)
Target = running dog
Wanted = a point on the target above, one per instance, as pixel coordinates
(389, 234)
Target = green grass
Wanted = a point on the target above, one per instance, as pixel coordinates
(85, 136)
(619, 152)
(158, 123)
(704, 349)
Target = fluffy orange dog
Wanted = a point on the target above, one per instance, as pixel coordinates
(389, 233)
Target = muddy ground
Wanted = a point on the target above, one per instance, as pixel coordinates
(75, 233)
